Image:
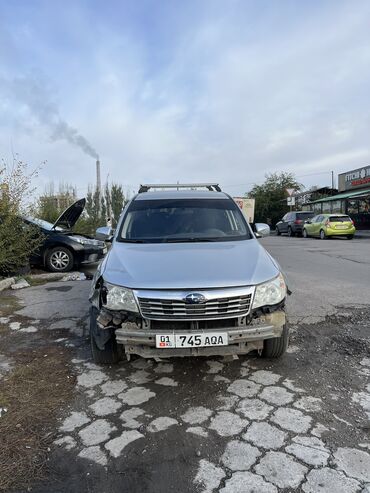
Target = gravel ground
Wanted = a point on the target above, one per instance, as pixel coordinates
(195, 425)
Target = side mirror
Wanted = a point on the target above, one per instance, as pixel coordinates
(262, 230)
(308, 221)
(105, 233)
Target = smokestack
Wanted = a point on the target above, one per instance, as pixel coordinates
(98, 179)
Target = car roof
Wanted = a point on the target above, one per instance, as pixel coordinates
(302, 212)
(332, 214)
(181, 194)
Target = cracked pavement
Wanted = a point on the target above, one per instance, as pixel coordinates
(211, 425)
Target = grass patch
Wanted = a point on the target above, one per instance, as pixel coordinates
(8, 305)
(34, 392)
(36, 281)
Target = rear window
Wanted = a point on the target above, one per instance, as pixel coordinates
(305, 215)
(339, 219)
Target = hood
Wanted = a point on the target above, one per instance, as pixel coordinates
(69, 217)
(188, 265)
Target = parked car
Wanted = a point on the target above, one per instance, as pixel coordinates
(186, 276)
(292, 222)
(63, 250)
(326, 225)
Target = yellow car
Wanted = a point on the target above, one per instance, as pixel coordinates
(326, 225)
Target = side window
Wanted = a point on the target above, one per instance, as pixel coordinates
(285, 218)
(288, 217)
(319, 219)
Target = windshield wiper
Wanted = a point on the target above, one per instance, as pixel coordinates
(189, 240)
(128, 240)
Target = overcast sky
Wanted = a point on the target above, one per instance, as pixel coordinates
(196, 90)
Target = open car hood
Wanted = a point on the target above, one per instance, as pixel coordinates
(69, 217)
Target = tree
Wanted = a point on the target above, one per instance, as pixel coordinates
(51, 204)
(99, 206)
(271, 196)
(17, 240)
(117, 200)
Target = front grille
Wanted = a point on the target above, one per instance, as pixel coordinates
(162, 309)
(182, 325)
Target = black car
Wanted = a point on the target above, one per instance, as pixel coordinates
(62, 250)
(292, 222)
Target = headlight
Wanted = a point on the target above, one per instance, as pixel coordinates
(119, 298)
(86, 241)
(270, 293)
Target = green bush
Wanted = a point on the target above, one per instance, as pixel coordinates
(17, 240)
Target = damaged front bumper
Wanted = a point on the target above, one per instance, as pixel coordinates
(138, 337)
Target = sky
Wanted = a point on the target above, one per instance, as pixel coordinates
(197, 91)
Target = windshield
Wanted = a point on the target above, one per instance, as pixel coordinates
(183, 220)
(43, 224)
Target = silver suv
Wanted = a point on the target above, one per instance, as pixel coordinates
(186, 276)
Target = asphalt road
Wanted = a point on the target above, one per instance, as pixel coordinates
(209, 425)
(325, 276)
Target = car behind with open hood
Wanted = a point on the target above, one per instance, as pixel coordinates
(186, 276)
(62, 249)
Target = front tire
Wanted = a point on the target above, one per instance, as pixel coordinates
(59, 259)
(110, 354)
(278, 232)
(305, 234)
(277, 346)
(107, 356)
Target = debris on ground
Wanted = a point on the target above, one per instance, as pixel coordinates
(6, 283)
(3, 410)
(20, 284)
(75, 276)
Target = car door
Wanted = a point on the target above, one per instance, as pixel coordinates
(309, 227)
(317, 225)
(284, 224)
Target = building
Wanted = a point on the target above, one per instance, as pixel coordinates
(353, 197)
(304, 199)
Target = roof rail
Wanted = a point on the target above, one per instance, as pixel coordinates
(214, 187)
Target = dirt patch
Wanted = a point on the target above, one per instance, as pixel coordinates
(33, 400)
(9, 304)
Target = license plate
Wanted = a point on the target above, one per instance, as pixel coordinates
(191, 340)
(341, 226)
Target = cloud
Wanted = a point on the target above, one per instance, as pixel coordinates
(35, 96)
(197, 94)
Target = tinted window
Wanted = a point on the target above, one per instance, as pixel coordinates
(304, 215)
(182, 220)
(339, 219)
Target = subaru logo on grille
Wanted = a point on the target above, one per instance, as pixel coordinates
(195, 298)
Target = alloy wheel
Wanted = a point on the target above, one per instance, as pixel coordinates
(59, 260)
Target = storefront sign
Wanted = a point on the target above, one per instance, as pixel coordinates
(357, 178)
